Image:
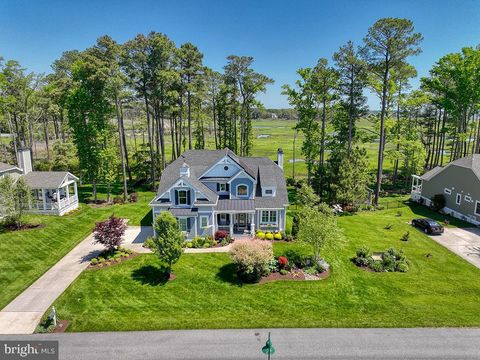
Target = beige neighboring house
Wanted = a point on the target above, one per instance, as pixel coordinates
(458, 182)
(53, 192)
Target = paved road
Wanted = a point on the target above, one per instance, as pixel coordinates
(464, 242)
(23, 314)
(360, 344)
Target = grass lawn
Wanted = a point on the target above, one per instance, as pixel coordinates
(440, 290)
(26, 255)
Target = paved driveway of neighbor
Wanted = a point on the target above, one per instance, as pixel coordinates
(464, 242)
(23, 314)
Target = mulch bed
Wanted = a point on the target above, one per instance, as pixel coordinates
(295, 275)
(113, 262)
(22, 227)
(61, 326)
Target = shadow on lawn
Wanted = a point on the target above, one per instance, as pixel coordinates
(150, 275)
(228, 273)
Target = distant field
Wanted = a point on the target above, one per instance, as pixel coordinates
(268, 136)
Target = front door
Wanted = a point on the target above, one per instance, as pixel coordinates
(242, 220)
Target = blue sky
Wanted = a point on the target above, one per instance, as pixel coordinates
(282, 36)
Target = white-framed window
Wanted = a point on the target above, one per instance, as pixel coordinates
(269, 192)
(203, 221)
(183, 224)
(447, 191)
(269, 217)
(222, 187)
(477, 208)
(182, 197)
(458, 199)
(242, 190)
(468, 198)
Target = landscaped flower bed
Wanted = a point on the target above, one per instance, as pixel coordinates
(391, 260)
(256, 263)
(107, 258)
(209, 241)
(272, 235)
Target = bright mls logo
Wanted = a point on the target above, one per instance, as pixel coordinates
(44, 350)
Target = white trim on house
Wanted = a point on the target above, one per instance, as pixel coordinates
(458, 199)
(179, 183)
(242, 171)
(203, 217)
(236, 190)
(269, 222)
(476, 207)
(468, 198)
(447, 191)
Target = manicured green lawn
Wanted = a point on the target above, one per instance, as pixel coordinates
(439, 290)
(26, 255)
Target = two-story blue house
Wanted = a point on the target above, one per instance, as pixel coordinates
(210, 190)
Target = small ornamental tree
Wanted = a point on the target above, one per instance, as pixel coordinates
(110, 232)
(7, 200)
(168, 240)
(23, 197)
(252, 259)
(15, 198)
(318, 228)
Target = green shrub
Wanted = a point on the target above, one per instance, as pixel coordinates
(376, 266)
(288, 238)
(94, 261)
(311, 270)
(261, 235)
(438, 202)
(149, 244)
(388, 227)
(284, 271)
(101, 261)
(406, 236)
(299, 259)
(224, 242)
(269, 236)
(189, 244)
(277, 236)
(401, 266)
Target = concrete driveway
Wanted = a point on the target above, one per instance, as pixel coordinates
(464, 242)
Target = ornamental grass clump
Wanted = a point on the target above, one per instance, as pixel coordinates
(252, 259)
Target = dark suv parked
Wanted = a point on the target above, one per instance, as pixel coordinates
(429, 226)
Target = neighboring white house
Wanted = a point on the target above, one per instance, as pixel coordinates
(53, 192)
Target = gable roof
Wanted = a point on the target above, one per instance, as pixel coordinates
(7, 167)
(471, 162)
(46, 179)
(261, 169)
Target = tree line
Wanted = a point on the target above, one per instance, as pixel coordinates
(416, 129)
(164, 89)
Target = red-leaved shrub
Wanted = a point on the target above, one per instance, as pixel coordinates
(110, 232)
(220, 235)
(282, 262)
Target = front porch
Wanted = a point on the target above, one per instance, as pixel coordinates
(416, 191)
(57, 200)
(236, 223)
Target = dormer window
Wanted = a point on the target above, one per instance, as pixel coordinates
(182, 197)
(242, 190)
(268, 191)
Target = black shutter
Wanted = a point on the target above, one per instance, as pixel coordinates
(227, 187)
(218, 187)
(188, 197)
(176, 197)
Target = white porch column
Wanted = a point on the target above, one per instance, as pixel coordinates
(75, 188)
(231, 224)
(44, 199)
(214, 223)
(252, 223)
(195, 228)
